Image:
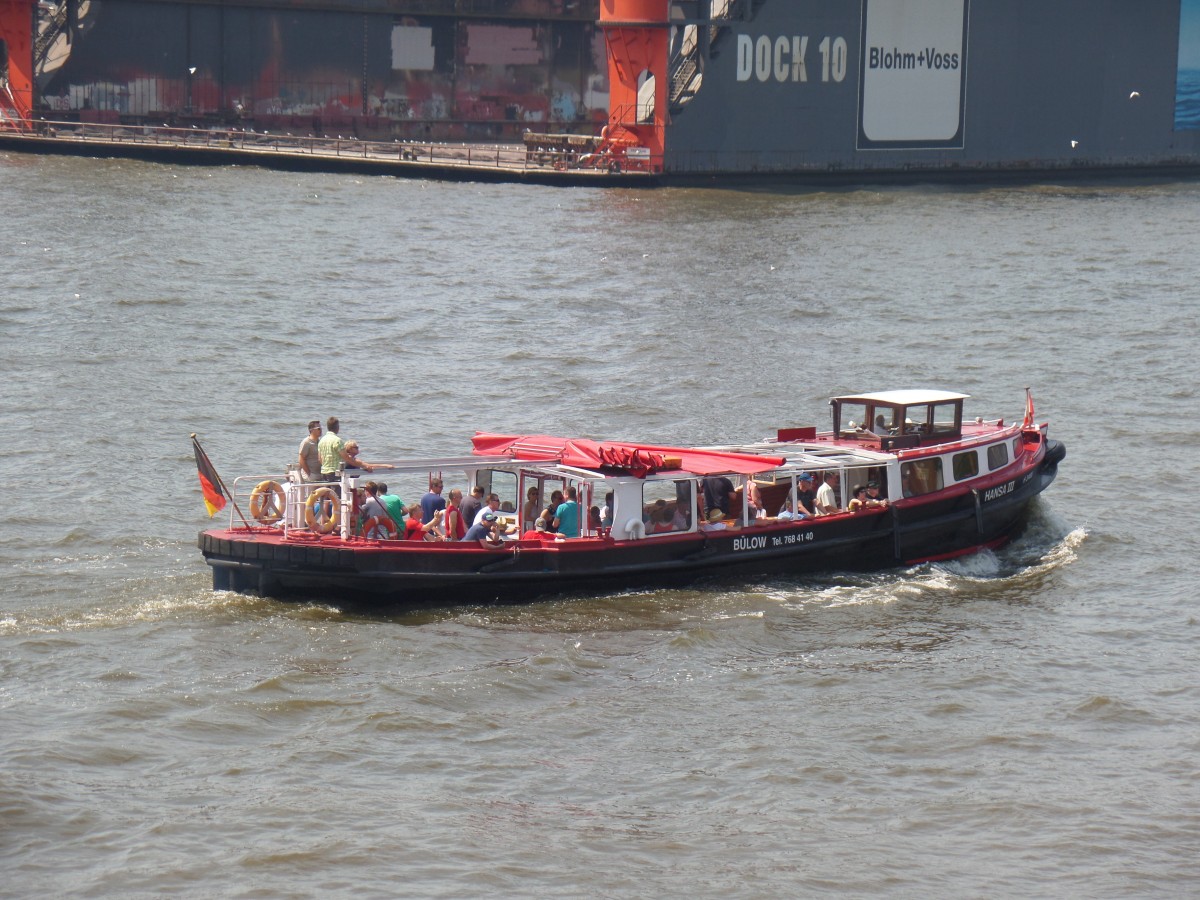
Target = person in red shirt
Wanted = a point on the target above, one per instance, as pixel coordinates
(541, 529)
(455, 527)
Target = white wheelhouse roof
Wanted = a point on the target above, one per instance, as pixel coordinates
(904, 398)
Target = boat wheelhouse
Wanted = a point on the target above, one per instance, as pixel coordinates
(945, 488)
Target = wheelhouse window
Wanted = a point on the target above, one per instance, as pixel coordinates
(966, 465)
(854, 416)
(921, 476)
(502, 484)
(1016, 447)
(667, 506)
(997, 457)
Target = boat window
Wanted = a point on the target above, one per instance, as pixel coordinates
(966, 465)
(945, 418)
(853, 416)
(1016, 447)
(921, 476)
(667, 506)
(502, 484)
(997, 456)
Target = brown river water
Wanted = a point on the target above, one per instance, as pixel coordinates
(1019, 723)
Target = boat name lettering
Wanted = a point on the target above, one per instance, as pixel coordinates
(750, 543)
(996, 492)
(929, 58)
(785, 58)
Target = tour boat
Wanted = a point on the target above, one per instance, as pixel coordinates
(943, 487)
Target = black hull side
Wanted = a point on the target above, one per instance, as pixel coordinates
(381, 575)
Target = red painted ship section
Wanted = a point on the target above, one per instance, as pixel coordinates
(16, 36)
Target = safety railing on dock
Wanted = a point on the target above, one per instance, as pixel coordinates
(511, 157)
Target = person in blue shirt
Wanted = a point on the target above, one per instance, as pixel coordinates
(566, 517)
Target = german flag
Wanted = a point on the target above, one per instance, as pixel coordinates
(210, 481)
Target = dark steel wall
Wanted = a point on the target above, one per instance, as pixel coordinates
(327, 70)
(1046, 83)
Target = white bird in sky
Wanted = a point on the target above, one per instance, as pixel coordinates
(1074, 144)
(1133, 95)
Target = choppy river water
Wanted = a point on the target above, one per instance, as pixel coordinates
(1025, 723)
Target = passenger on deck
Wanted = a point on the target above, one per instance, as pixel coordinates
(606, 514)
(660, 522)
(753, 499)
(718, 493)
(377, 524)
(566, 517)
(487, 529)
(415, 530)
(393, 504)
(681, 519)
(805, 496)
(715, 521)
(786, 514)
(432, 501)
(471, 504)
(353, 462)
(310, 457)
(332, 451)
(858, 498)
(530, 510)
(492, 506)
(453, 519)
(594, 521)
(556, 499)
(827, 501)
(541, 531)
(874, 501)
(880, 425)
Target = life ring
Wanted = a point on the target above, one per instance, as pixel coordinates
(266, 502)
(323, 510)
(384, 522)
(635, 529)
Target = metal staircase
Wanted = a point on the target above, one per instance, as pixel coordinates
(702, 32)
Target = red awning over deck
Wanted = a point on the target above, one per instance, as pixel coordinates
(637, 459)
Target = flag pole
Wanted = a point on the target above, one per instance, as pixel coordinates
(221, 481)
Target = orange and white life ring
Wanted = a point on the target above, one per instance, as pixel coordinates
(384, 522)
(323, 510)
(266, 502)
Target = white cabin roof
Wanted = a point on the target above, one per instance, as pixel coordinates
(904, 398)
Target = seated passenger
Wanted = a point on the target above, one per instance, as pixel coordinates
(660, 522)
(541, 531)
(858, 498)
(377, 525)
(415, 530)
(754, 499)
(874, 501)
(681, 520)
(715, 522)
(805, 496)
(487, 530)
(785, 513)
(606, 514)
(492, 505)
(827, 503)
(595, 523)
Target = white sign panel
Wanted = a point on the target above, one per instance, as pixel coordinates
(914, 65)
(412, 48)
